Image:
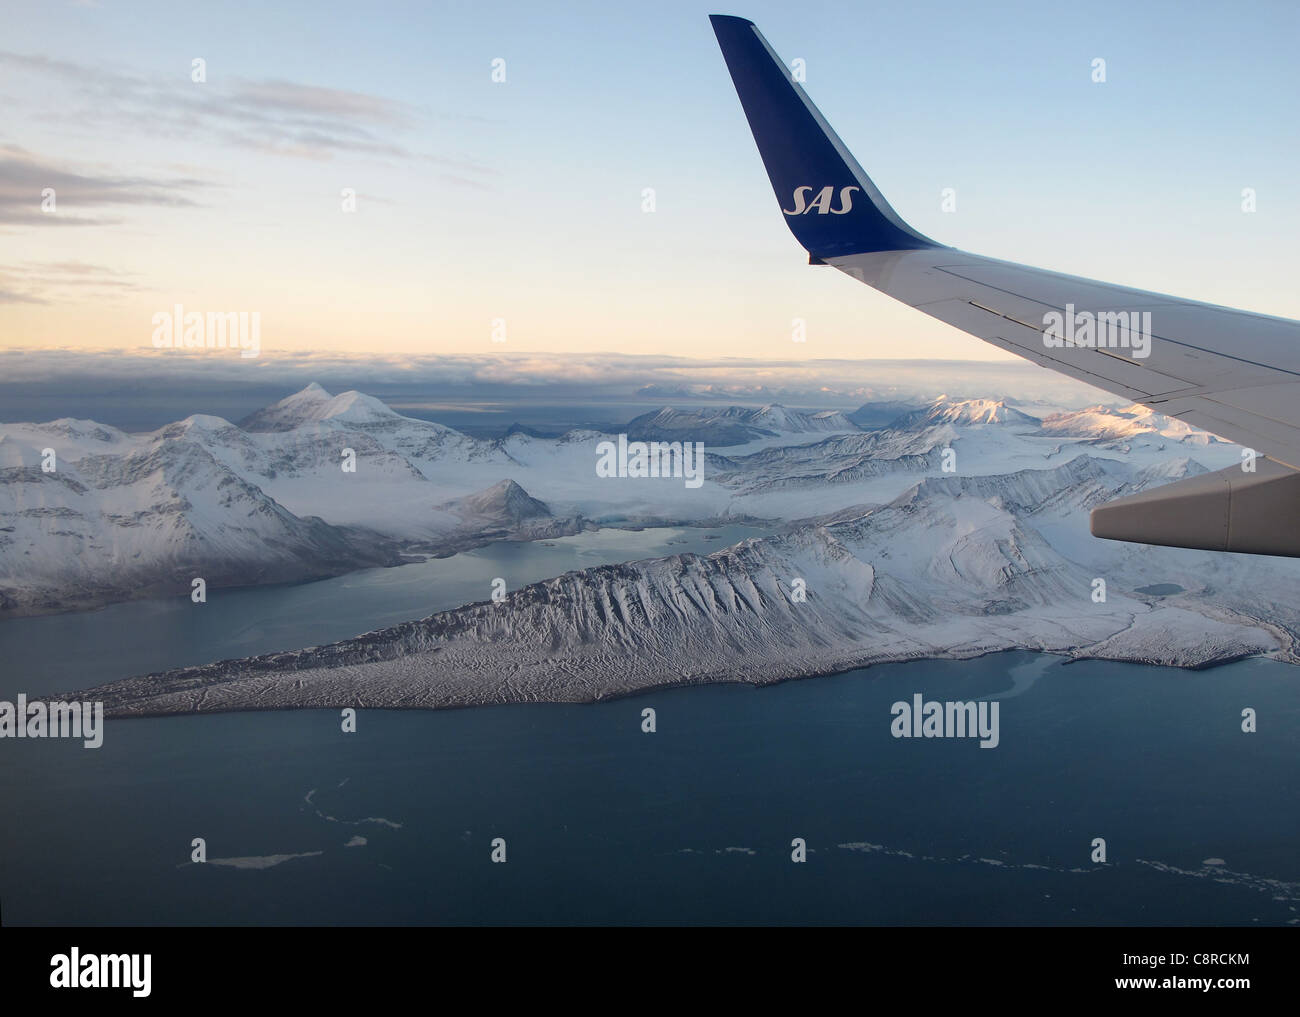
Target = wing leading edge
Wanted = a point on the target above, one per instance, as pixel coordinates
(1233, 373)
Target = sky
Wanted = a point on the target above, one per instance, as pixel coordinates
(522, 199)
(487, 393)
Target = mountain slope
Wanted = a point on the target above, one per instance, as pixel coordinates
(965, 412)
(318, 483)
(149, 522)
(953, 567)
(733, 425)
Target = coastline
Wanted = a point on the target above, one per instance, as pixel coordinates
(122, 704)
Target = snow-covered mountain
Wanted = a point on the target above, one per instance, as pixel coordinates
(965, 412)
(314, 405)
(1106, 423)
(148, 521)
(870, 416)
(506, 510)
(841, 459)
(733, 425)
(113, 516)
(781, 420)
(318, 484)
(955, 566)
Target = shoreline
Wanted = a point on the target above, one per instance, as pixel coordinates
(414, 554)
(1064, 659)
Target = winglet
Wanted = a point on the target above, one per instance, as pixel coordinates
(829, 203)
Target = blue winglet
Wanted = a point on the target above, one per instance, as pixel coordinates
(829, 203)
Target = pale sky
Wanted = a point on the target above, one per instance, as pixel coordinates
(522, 199)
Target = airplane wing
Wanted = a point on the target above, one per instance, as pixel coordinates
(1233, 373)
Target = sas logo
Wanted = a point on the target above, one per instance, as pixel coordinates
(822, 203)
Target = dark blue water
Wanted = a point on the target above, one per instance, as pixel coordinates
(606, 824)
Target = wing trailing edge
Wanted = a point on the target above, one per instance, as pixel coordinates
(1231, 510)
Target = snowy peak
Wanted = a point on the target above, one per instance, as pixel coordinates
(831, 420)
(1116, 424)
(504, 504)
(965, 412)
(775, 416)
(734, 425)
(23, 445)
(357, 408)
(314, 405)
(785, 421)
(289, 412)
(197, 426)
